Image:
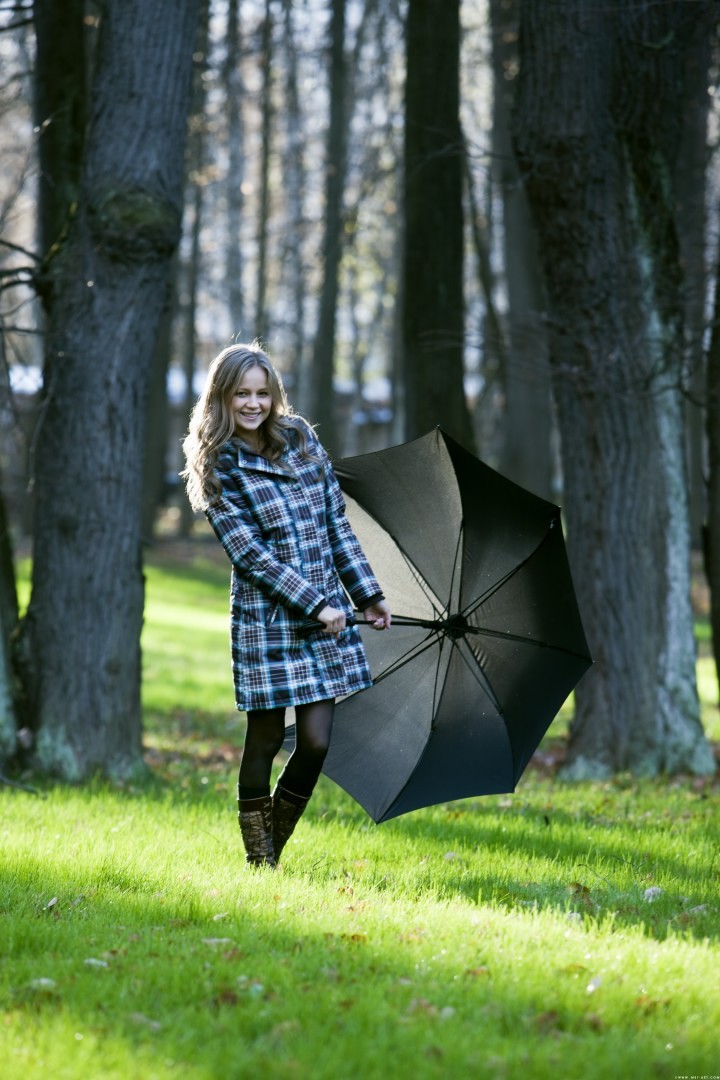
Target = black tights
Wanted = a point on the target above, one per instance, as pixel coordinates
(264, 738)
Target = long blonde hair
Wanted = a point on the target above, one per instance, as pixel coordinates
(212, 422)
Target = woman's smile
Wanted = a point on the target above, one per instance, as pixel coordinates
(251, 405)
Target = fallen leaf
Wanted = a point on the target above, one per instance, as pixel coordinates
(547, 1022)
(145, 1021)
(572, 969)
(648, 1004)
(478, 971)
(421, 1005)
(226, 996)
(284, 1028)
(233, 954)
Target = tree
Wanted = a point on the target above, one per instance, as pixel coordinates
(526, 455)
(432, 286)
(8, 604)
(598, 143)
(335, 172)
(104, 290)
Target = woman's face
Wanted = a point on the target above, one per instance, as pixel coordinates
(251, 404)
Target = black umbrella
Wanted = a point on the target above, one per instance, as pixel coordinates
(486, 642)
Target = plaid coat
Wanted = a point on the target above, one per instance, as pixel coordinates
(292, 550)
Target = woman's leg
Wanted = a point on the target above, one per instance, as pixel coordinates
(265, 733)
(313, 725)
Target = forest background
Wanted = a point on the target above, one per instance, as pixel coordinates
(500, 217)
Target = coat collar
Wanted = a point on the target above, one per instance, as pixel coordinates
(253, 462)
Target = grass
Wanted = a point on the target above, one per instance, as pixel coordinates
(565, 931)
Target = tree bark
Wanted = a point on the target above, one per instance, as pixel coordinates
(105, 298)
(712, 528)
(526, 455)
(691, 197)
(60, 108)
(323, 405)
(432, 289)
(8, 624)
(264, 214)
(236, 165)
(295, 175)
(598, 142)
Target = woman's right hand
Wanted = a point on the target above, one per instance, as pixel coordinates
(333, 620)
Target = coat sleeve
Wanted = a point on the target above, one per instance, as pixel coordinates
(253, 559)
(350, 561)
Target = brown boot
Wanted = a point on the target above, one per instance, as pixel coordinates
(256, 824)
(287, 809)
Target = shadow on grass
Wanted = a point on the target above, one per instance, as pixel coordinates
(163, 983)
(580, 869)
(595, 861)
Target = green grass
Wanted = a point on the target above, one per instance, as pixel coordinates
(565, 931)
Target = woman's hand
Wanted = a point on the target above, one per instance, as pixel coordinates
(333, 620)
(378, 615)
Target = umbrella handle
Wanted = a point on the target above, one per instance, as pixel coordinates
(314, 627)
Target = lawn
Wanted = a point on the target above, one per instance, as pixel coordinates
(564, 931)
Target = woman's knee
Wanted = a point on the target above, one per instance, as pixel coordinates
(265, 733)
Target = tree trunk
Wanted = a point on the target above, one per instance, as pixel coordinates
(323, 405)
(187, 514)
(157, 424)
(60, 107)
(295, 178)
(598, 141)
(264, 215)
(236, 166)
(526, 455)
(104, 303)
(712, 528)
(432, 289)
(8, 625)
(690, 171)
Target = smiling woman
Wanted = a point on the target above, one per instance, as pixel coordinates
(270, 494)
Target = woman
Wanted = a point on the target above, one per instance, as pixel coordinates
(268, 489)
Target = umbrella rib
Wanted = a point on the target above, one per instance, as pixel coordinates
(524, 640)
(419, 580)
(511, 573)
(454, 569)
(407, 658)
(483, 682)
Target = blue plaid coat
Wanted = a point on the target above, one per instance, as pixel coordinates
(292, 550)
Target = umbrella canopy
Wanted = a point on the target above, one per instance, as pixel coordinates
(486, 642)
